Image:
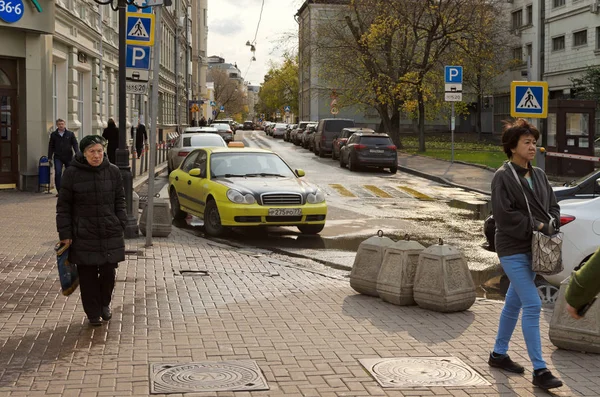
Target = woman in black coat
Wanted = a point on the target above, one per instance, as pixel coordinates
(111, 134)
(91, 217)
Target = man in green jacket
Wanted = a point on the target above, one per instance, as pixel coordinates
(584, 285)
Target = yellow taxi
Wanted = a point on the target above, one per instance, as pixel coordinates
(241, 187)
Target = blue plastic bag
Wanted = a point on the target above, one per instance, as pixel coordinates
(67, 272)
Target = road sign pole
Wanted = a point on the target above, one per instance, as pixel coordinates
(153, 125)
(452, 122)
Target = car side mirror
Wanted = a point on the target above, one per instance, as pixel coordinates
(197, 172)
(300, 173)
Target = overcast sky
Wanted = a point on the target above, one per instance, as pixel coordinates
(231, 23)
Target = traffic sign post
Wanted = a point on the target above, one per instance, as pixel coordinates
(529, 99)
(453, 79)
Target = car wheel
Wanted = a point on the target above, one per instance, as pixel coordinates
(310, 229)
(342, 164)
(321, 152)
(351, 164)
(393, 170)
(175, 208)
(212, 220)
(333, 156)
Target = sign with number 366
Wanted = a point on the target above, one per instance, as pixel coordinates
(11, 10)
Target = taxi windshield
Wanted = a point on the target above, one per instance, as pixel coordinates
(232, 164)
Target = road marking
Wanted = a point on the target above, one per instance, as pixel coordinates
(378, 192)
(342, 190)
(416, 194)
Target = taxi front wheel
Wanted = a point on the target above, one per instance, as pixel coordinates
(212, 220)
(310, 229)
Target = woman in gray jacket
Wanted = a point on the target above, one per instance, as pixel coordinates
(513, 245)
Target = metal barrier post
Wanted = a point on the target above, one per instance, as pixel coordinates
(133, 162)
(145, 159)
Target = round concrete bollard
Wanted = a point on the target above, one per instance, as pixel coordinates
(397, 273)
(581, 335)
(135, 198)
(443, 282)
(363, 277)
(161, 222)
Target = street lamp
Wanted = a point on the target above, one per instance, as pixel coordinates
(122, 153)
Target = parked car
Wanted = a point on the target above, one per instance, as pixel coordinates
(288, 131)
(296, 134)
(189, 141)
(245, 187)
(369, 149)
(269, 129)
(307, 134)
(278, 130)
(339, 141)
(248, 125)
(326, 130)
(225, 131)
(583, 188)
(579, 220)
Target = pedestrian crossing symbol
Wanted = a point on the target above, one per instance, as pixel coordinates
(140, 29)
(529, 99)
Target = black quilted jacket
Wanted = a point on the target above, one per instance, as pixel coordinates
(91, 211)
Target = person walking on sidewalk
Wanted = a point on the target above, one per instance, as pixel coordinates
(91, 216)
(513, 246)
(584, 285)
(140, 138)
(61, 146)
(111, 134)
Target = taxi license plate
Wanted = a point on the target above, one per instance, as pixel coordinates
(285, 211)
(376, 151)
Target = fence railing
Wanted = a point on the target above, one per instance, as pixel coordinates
(139, 164)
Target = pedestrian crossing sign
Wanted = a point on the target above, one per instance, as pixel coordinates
(529, 99)
(140, 29)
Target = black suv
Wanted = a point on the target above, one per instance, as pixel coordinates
(326, 131)
(369, 149)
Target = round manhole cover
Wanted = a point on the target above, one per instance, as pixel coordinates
(424, 372)
(207, 376)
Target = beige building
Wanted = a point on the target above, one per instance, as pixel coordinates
(199, 59)
(62, 62)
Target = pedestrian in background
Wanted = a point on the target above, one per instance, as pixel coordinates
(91, 217)
(202, 122)
(584, 285)
(61, 147)
(111, 134)
(513, 245)
(140, 138)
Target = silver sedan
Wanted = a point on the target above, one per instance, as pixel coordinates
(187, 142)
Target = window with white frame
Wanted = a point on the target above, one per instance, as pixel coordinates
(518, 54)
(558, 43)
(529, 15)
(517, 19)
(80, 102)
(598, 38)
(580, 38)
(558, 3)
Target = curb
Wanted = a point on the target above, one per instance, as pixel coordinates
(440, 180)
(144, 178)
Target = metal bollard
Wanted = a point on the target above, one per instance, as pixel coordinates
(146, 160)
(133, 162)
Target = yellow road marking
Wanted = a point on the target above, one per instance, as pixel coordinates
(416, 194)
(342, 190)
(378, 192)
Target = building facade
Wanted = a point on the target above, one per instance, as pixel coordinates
(199, 57)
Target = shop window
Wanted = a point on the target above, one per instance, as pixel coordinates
(4, 80)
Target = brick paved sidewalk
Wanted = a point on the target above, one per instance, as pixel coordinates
(305, 330)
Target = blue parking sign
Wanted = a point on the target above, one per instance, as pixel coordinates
(453, 75)
(138, 57)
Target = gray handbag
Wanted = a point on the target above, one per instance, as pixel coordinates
(546, 251)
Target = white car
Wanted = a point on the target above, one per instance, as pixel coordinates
(580, 223)
(189, 141)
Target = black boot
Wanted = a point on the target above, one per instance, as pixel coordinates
(95, 321)
(106, 313)
(544, 379)
(504, 362)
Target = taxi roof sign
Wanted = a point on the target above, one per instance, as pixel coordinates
(529, 99)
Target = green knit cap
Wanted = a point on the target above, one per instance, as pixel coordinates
(89, 140)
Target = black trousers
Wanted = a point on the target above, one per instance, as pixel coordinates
(97, 284)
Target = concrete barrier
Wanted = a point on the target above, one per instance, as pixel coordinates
(443, 282)
(567, 333)
(363, 277)
(161, 222)
(397, 274)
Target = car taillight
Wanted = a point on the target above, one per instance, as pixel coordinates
(323, 138)
(392, 147)
(182, 154)
(564, 219)
(360, 147)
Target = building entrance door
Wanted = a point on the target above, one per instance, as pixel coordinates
(8, 123)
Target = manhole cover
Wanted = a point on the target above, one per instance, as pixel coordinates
(206, 376)
(422, 372)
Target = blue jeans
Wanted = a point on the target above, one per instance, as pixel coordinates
(522, 293)
(58, 170)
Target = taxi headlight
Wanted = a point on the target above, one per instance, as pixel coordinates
(316, 197)
(236, 197)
